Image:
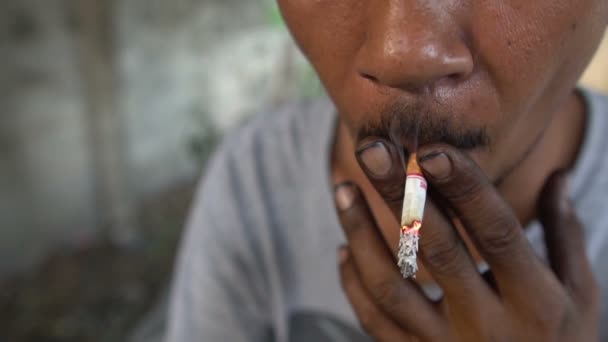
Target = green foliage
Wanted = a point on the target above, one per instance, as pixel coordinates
(274, 17)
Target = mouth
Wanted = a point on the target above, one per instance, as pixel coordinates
(408, 140)
(403, 147)
(410, 129)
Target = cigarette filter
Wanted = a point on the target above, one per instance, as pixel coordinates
(411, 218)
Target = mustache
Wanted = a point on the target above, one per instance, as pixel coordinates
(411, 126)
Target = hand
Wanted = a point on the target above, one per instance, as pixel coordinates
(528, 300)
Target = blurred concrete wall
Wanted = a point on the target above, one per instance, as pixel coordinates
(187, 64)
(186, 70)
(596, 75)
(45, 176)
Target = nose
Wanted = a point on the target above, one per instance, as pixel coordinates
(409, 46)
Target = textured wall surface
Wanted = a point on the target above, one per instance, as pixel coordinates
(44, 171)
(186, 70)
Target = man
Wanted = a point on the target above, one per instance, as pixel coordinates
(486, 90)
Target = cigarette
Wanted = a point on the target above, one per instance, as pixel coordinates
(411, 218)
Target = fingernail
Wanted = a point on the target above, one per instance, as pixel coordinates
(345, 196)
(376, 159)
(342, 254)
(438, 165)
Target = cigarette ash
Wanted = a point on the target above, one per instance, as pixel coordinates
(408, 249)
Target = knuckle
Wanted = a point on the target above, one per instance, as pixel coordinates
(392, 192)
(501, 235)
(588, 293)
(594, 290)
(552, 320)
(355, 223)
(556, 313)
(387, 294)
(546, 324)
(463, 191)
(346, 276)
(442, 256)
(368, 320)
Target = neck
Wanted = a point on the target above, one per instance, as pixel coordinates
(556, 150)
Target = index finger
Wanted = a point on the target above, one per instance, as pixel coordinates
(400, 298)
(488, 219)
(382, 165)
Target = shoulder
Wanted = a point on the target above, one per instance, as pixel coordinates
(595, 144)
(597, 103)
(266, 153)
(279, 145)
(593, 153)
(291, 130)
(590, 174)
(593, 191)
(589, 180)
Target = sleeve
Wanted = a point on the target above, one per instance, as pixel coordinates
(219, 291)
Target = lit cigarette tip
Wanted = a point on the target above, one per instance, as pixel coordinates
(412, 164)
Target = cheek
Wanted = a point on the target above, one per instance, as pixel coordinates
(532, 48)
(329, 33)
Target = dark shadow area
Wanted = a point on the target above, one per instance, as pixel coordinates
(99, 291)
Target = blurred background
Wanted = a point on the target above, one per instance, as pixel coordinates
(108, 113)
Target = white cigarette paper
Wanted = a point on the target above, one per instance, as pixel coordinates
(411, 218)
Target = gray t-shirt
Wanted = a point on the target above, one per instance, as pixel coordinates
(258, 259)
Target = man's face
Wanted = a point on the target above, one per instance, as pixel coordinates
(483, 75)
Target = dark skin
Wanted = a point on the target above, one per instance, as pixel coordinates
(525, 301)
(501, 70)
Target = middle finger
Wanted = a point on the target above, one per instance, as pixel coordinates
(400, 298)
(447, 259)
(488, 219)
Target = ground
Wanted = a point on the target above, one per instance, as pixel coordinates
(97, 292)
